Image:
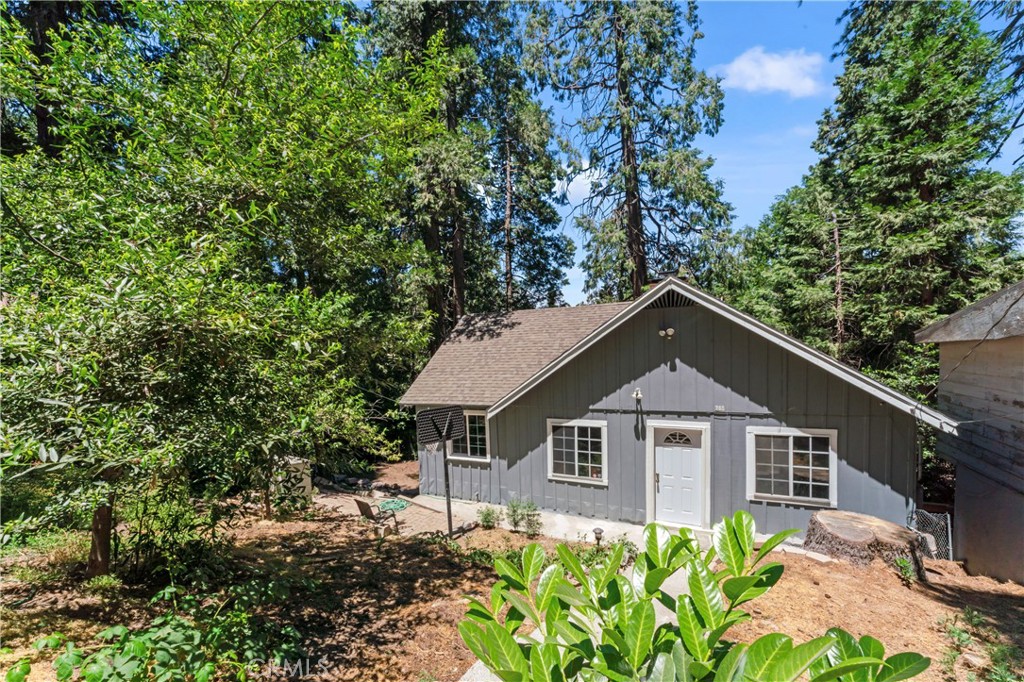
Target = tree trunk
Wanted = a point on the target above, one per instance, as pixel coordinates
(635, 246)
(840, 321)
(102, 528)
(458, 262)
(431, 230)
(45, 18)
(859, 538)
(431, 234)
(268, 506)
(458, 229)
(508, 227)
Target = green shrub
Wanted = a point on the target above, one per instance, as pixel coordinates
(591, 555)
(198, 636)
(905, 569)
(532, 525)
(102, 585)
(600, 625)
(489, 517)
(523, 515)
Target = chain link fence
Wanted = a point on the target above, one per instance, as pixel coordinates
(938, 527)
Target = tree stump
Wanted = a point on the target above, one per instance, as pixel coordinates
(859, 538)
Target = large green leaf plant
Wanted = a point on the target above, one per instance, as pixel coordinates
(602, 625)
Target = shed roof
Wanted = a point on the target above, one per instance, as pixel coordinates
(487, 356)
(997, 316)
(493, 360)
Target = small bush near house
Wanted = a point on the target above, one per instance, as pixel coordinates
(599, 624)
(489, 517)
(595, 554)
(523, 515)
(532, 525)
(905, 568)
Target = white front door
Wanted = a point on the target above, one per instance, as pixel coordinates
(678, 479)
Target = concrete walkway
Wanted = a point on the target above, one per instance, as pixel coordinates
(555, 525)
(415, 519)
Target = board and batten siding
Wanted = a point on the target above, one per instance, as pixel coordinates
(711, 371)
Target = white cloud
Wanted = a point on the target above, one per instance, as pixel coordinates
(795, 72)
(581, 186)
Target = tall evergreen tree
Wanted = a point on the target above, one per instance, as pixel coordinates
(481, 196)
(525, 221)
(900, 222)
(1011, 39)
(628, 67)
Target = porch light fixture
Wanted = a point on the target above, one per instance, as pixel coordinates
(666, 333)
(598, 534)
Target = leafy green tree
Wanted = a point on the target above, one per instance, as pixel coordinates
(628, 67)
(205, 280)
(929, 227)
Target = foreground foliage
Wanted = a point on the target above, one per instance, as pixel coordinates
(600, 625)
(196, 638)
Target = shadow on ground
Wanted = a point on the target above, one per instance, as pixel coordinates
(381, 610)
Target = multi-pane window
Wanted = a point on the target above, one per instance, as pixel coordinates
(577, 450)
(474, 443)
(793, 464)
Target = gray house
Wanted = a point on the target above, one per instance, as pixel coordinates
(674, 407)
(981, 370)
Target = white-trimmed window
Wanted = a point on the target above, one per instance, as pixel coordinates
(474, 445)
(788, 464)
(577, 450)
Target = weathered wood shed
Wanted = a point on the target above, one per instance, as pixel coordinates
(981, 384)
(673, 408)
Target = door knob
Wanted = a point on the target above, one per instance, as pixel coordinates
(657, 481)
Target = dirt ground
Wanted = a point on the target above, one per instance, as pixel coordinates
(871, 600)
(388, 610)
(406, 475)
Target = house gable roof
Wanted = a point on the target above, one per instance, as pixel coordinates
(488, 356)
(472, 368)
(997, 316)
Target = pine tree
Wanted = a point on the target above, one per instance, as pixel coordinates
(920, 109)
(900, 222)
(1011, 40)
(628, 67)
(525, 220)
(481, 197)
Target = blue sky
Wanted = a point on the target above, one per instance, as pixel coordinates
(774, 59)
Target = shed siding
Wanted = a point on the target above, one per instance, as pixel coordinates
(987, 526)
(984, 389)
(712, 371)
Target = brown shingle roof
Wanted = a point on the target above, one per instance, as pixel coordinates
(487, 356)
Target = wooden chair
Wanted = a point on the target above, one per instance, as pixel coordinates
(373, 513)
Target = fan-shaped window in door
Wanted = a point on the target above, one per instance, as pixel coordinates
(678, 438)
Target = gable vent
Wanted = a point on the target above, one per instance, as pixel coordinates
(671, 299)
